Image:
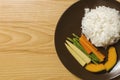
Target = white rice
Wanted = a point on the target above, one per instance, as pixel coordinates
(101, 25)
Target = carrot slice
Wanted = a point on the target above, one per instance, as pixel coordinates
(86, 43)
(84, 46)
(100, 54)
(84, 38)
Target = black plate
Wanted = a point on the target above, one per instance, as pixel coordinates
(69, 23)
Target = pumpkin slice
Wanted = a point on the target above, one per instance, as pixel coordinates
(95, 67)
(112, 58)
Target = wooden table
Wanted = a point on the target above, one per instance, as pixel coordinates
(27, 49)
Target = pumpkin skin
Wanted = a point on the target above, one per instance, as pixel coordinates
(95, 67)
(112, 58)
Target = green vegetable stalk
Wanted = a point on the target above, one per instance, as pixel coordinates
(75, 41)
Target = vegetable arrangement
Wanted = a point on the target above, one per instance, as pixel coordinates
(89, 56)
(86, 44)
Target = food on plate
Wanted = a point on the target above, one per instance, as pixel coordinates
(89, 56)
(74, 54)
(112, 58)
(101, 26)
(95, 67)
(79, 52)
(86, 44)
(75, 41)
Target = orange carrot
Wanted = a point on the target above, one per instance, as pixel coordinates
(84, 46)
(84, 38)
(86, 43)
(100, 54)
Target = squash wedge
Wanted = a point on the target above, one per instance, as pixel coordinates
(95, 67)
(112, 58)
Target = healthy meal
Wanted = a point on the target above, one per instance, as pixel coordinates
(100, 28)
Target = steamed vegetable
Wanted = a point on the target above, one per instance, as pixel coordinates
(79, 52)
(112, 58)
(75, 55)
(87, 44)
(85, 47)
(75, 41)
(95, 67)
(88, 56)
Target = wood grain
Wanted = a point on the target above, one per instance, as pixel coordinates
(27, 49)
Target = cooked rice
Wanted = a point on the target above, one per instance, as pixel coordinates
(101, 25)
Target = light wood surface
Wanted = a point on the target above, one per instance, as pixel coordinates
(27, 49)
